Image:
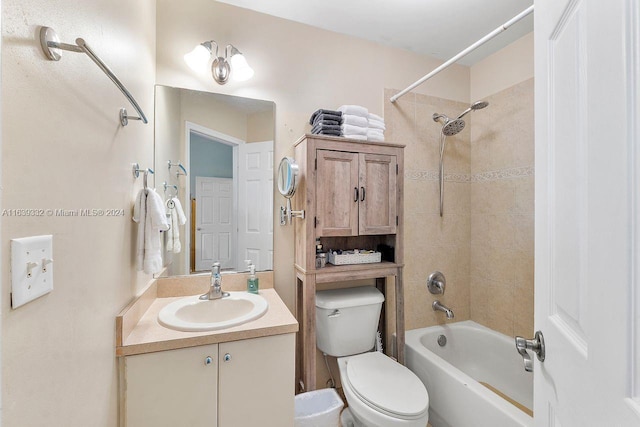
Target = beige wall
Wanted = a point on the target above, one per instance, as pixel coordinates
(503, 69)
(299, 67)
(63, 148)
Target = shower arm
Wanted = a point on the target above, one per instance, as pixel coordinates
(50, 44)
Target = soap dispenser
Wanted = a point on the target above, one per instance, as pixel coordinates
(252, 281)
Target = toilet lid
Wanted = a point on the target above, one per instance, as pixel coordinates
(387, 385)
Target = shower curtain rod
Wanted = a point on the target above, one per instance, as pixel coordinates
(473, 47)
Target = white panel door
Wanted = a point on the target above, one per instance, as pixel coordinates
(255, 204)
(215, 223)
(586, 183)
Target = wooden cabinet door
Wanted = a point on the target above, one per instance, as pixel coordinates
(172, 388)
(257, 379)
(378, 206)
(337, 193)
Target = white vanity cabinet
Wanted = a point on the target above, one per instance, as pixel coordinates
(231, 384)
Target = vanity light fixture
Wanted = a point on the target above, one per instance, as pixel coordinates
(233, 62)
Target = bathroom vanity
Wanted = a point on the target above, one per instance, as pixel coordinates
(352, 195)
(229, 377)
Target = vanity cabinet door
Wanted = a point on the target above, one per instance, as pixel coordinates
(337, 193)
(256, 380)
(172, 388)
(378, 205)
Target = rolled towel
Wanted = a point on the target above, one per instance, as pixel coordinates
(375, 135)
(376, 124)
(354, 110)
(328, 132)
(322, 127)
(323, 111)
(358, 137)
(375, 117)
(349, 119)
(353, 130)
(327, 122)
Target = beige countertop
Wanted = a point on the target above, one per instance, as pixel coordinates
(138, 330)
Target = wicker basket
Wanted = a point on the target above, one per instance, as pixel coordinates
(354, 258)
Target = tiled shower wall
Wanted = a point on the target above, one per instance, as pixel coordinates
(502, 208)
(432, 243)
(484, 242)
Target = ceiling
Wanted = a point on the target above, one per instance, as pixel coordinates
(440, 28)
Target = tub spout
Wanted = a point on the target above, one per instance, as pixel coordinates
(437, 306)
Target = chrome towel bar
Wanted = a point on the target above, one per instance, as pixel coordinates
(51, 47)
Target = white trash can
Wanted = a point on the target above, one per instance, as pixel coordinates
(318, 408)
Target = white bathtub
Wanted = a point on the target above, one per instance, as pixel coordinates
(452, 375)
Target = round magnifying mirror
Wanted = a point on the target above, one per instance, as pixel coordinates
(287, 177)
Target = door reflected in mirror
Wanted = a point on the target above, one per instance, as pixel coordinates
(225, 144)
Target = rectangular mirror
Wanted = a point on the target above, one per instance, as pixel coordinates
(214, 159)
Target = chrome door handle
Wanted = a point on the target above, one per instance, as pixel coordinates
(536, 345)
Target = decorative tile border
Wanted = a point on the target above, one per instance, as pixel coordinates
(498, 175)
(502, 174)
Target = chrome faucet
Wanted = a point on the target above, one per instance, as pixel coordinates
(215, 291)
(437, 306)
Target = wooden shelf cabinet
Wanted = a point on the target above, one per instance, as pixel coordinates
(352, 194)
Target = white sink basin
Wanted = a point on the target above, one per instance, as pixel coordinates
(191, 314)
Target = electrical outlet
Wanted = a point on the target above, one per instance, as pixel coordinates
(31, 268)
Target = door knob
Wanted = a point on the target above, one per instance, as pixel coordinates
(536, 345)
(199, 228)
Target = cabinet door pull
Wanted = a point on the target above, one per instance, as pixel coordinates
(355, 199)
(362, 191)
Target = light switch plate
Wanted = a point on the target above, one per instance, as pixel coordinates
(31, 268)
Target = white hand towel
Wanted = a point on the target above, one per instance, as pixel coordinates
(169, 234)
(355, 110)
(353, 130)
(358, 137)
(375, 117)
(150, 215)
(349, 119)
(377, 124)
(177, 219)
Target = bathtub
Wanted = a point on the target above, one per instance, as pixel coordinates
(453, 375)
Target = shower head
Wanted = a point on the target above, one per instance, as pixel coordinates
(478, 105)
(453, 127)
(449, 127)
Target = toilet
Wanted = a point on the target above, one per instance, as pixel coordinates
(379, 391)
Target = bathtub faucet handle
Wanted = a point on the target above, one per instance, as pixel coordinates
(436, 283)
(536, 345)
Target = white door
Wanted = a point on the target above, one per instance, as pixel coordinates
(587, 169)
(255, 204)
(215, 225)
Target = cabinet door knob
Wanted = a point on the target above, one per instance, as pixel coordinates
(355, 198)
(362, 195)
(208, 360)
(227, 357)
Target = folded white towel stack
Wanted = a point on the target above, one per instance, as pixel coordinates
(149, 213)
(357, 122)
(376, 128)
(354, 110)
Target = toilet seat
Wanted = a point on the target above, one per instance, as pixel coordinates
(386, 386)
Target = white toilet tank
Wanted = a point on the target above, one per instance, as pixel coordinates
(347, 320)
